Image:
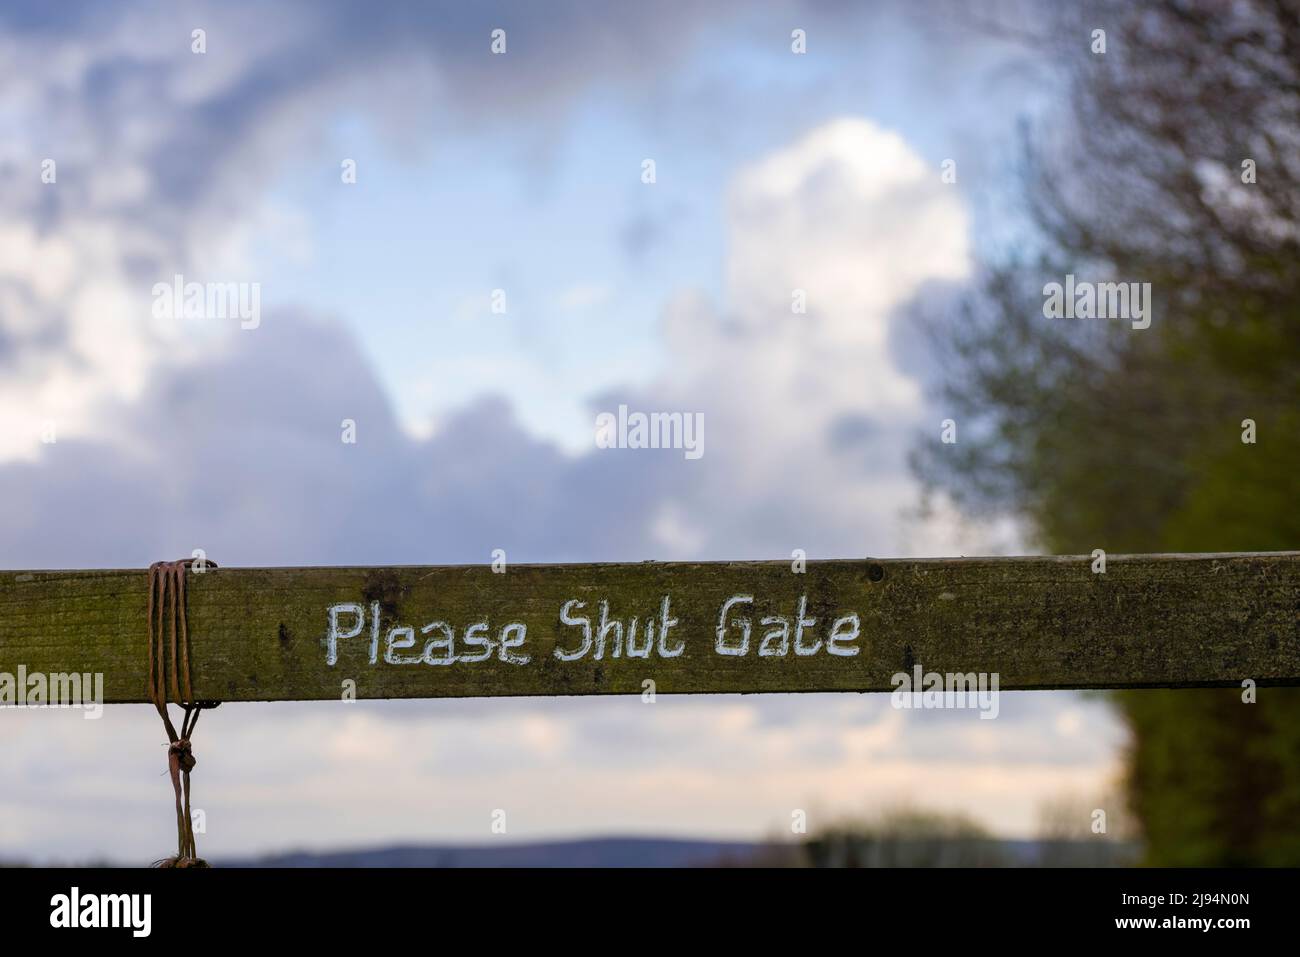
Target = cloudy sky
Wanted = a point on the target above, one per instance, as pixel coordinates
(519, 172)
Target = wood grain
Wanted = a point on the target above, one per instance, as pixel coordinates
(260, 633)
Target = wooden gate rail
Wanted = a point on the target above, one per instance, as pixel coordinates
(278, 634)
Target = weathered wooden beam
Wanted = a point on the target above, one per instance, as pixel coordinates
(265, 633)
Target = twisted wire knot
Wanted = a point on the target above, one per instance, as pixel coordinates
(168, 631)
(180, 753)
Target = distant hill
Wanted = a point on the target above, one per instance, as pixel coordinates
(670, 852)
(595, 852)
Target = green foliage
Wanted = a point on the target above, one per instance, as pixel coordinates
(1131, 441)
(906, 837)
